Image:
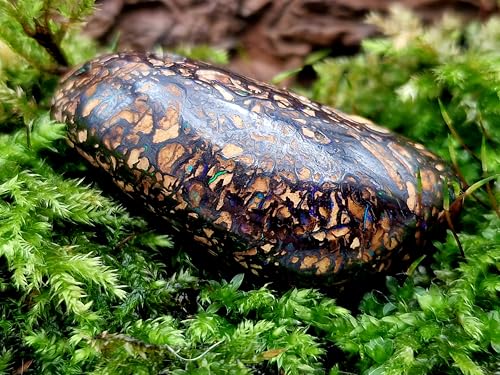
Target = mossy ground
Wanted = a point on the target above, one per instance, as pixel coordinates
(86, 287)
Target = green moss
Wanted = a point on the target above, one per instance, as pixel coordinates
(88, 288)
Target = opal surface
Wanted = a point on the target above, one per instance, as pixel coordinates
(259, 176)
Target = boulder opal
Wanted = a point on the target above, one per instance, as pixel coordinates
(259, 176)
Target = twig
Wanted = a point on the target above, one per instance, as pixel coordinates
(119, 336)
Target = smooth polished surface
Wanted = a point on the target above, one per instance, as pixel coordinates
(254, 173)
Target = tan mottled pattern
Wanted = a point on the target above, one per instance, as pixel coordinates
(256, 174)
